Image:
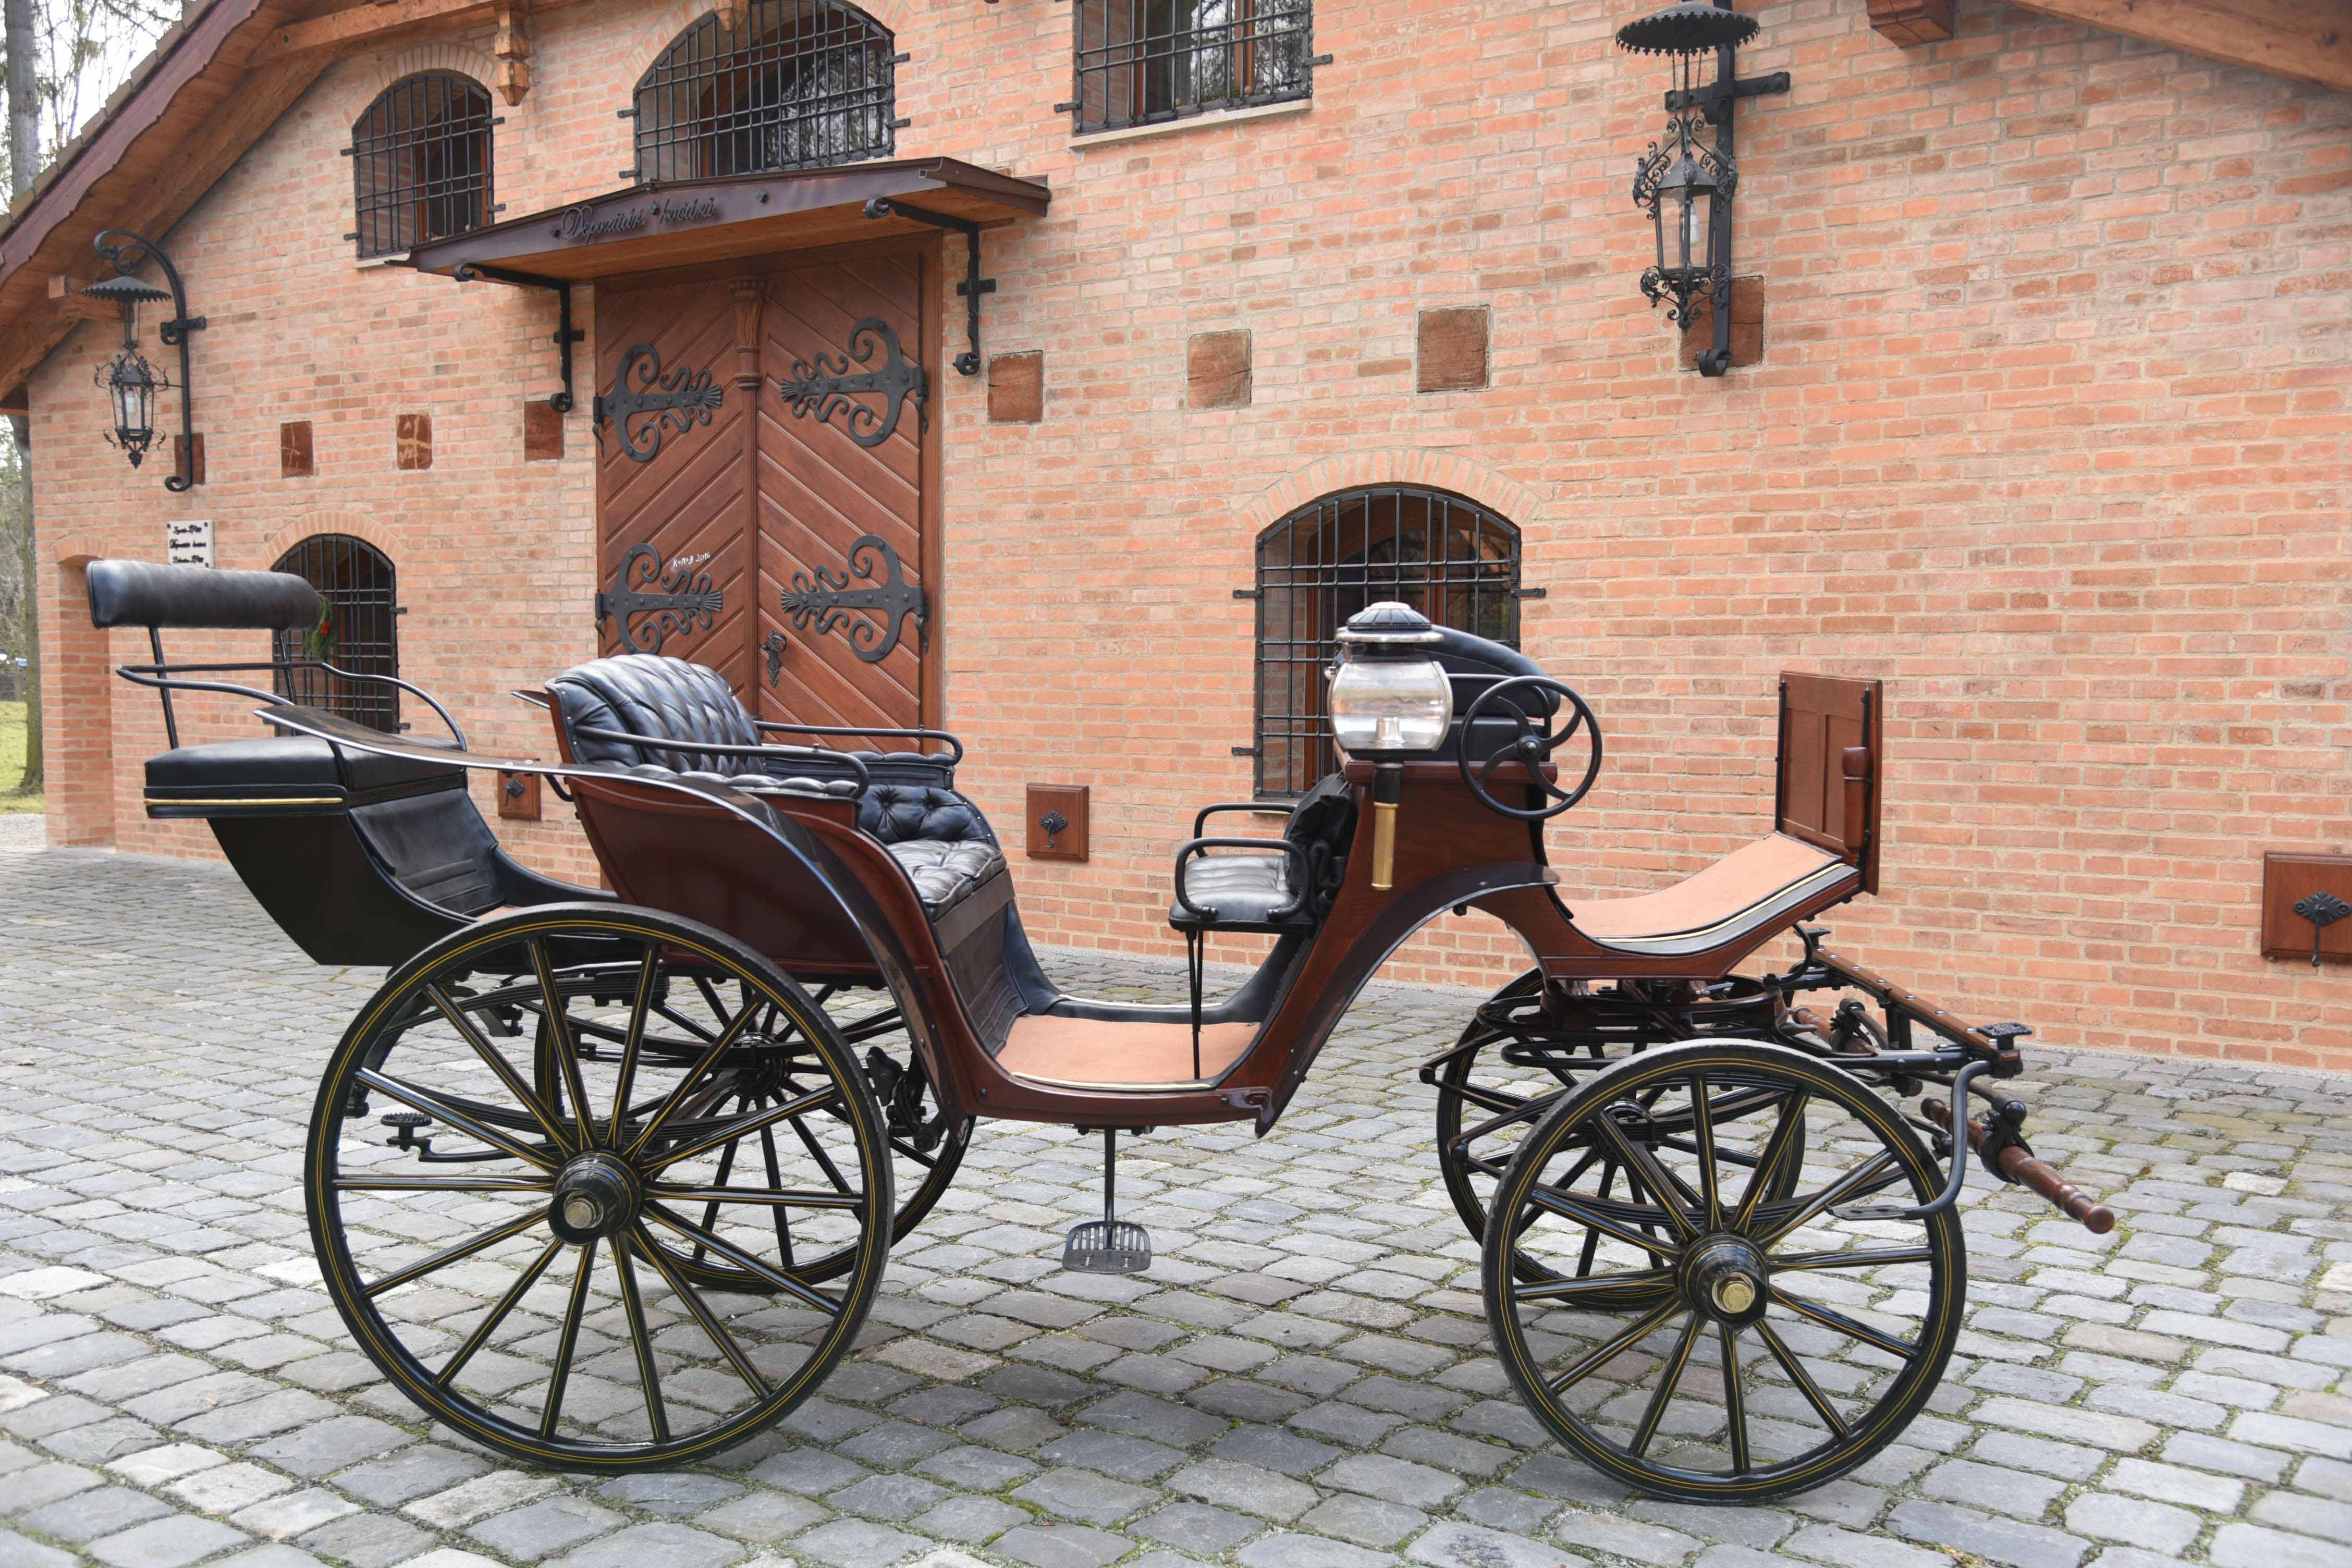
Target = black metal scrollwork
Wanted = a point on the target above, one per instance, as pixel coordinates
(828, 387)
(826, 598)
(681, 399)
(2322, 909)
(686, 599)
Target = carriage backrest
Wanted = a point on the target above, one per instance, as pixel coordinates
(652, 694)
(1827, 791)
(149, 593)
(1475, 665)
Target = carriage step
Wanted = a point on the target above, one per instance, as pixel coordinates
(1109, 1244)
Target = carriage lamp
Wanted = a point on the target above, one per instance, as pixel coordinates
(1684, 182)
(1390, 700)
(131, 383)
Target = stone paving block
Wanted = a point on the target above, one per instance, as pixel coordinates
(2254, 1546)
(1458, 1545)
(1982, 1535)
(369, 1541)
(847, 1543)
(547, 1526)
(165, 1542)
(968, 1519)
(87, 1515)
(1061, 1546)
(1084, 1495)
(978, 1469)
(293, 1513)
(1244, 1487)
(1365, 1520)
(657, 1546)
(320, 1447)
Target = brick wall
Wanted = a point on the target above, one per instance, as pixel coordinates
(2050, 432)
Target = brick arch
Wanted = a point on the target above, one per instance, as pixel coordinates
(1437, 470)
(346, 522)
(368, 84)
(77, 549)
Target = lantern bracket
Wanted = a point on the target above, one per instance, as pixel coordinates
(1708, 100)
(128, 251)
(973, 284)
(566, 335)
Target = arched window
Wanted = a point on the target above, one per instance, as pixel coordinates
(421, 162)
(803, 83)
(1142, 61)
(360, 632)
(1451, 559)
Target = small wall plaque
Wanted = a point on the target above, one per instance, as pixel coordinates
(519, 796)
(2302, 895)
(1059, 824)
(188, 543)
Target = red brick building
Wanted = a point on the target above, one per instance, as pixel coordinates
(2043, 345)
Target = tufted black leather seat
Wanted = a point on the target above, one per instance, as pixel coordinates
(937, 836)
(1249, 890)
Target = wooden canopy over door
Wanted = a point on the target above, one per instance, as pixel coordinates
(765, 496)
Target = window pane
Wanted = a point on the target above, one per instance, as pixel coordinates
(1143, 60)
(359, 634)
(421, 164)
(804, 84)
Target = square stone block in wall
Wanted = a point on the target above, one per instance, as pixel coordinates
(294, 461)
(1217, 370)
(542, 431)
(1017, 388)
(412, 443)
(1453, 350)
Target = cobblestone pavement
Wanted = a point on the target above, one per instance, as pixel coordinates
(1302, 1381)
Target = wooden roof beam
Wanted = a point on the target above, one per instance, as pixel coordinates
(2309, 40)
(372, 24)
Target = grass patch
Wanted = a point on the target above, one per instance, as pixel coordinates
(12, 758)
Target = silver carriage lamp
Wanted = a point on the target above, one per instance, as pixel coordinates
(1390, 700)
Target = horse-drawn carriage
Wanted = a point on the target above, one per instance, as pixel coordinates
(607, 1180)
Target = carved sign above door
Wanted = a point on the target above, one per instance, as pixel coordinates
(679, 400)
(826, 387)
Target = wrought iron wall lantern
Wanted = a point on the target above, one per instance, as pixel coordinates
(131, 383)
(1684, 182)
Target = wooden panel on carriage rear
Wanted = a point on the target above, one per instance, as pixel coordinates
(688, 497)
(1820, 716)
(820, 491)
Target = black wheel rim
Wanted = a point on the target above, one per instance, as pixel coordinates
(515, 1267)
(1725, 1345)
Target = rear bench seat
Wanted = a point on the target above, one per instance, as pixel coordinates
(279, 775)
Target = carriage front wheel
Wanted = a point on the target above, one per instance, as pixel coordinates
(508, 1249)
(1736, 1338)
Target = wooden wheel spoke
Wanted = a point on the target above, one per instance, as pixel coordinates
(1703, 1130)
(436, 1105)
(816, 1151)
(687, 1086)
(648, 1375)
(557, 1025)
(1829, 1317)
(1846, 1187)
(700, 1310)
(727, 1252)
(403, 1184)
(495, 1059)
(1584, 1259)
(1583, 1214)
(718, 1184)
(743, 1127)
(1601, 1355)
(444, 1257)
(1639, 1163)
(1608, 1286)
(1803, 1380)
(640, 1004)
(782, 1218)
(559, 1376)
(797, 1197)
(1863, 1258)
(498, 1314)
(1786, 1137)
(1670, 1372)
(1735, 1403)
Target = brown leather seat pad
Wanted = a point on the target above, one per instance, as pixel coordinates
(1096, 1052)
(1740, 881)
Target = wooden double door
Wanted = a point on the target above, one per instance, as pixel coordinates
(724, 502)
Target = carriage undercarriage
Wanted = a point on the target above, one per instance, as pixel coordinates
(610, 1182)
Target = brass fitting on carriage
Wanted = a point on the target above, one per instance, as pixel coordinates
(1388, 793)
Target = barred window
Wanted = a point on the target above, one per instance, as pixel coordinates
(359, 632)
(1451, 559)
(421, 162)
(1139, 61)
(804, 83)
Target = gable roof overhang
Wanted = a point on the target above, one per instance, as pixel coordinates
(647, 227)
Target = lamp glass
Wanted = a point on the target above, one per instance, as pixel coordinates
(1390, 705)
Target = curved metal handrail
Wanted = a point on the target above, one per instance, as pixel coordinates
(954, 760)
(161, 677)
(663, 742)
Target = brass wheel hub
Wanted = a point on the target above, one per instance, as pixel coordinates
(1724, 1277)
(596, 1195)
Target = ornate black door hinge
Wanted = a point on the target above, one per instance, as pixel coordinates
(828, 387)
(826, 598)
(680, 400)
(686, 599)
(2323, 909)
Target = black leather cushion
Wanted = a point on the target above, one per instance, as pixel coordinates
(288, 765)
(898, 811)
(149, 593)
(653, 694)
(1247, 888)
(769, 784)
(944, 874)
(1243, 889)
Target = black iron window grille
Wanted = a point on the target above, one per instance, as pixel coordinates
(421, 164)
(1451, 559)
(360, 632)
(804, 83)
(1141, 62)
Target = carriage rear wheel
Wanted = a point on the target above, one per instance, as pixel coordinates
(508, 1249)
(1731, 1345)
(1491, 1089)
